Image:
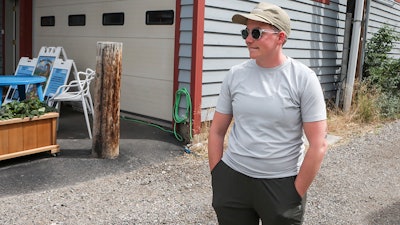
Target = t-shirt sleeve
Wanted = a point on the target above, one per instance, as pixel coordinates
(313, 106)
(224, 103)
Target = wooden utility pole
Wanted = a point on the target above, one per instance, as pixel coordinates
(106, 123)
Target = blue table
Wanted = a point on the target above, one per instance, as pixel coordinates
(21, 82)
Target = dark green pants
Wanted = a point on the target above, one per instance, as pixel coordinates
(242, 200)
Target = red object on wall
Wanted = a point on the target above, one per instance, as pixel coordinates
(25, 28)
(325, 1)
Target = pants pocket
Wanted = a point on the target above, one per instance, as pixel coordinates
(295, 212)
(295, 190)
(216, 167)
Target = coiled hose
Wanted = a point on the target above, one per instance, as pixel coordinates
(188, 112)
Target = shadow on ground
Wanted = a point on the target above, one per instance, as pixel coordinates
(140, 145)
(387, 215)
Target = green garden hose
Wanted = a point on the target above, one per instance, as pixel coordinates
(188, 113)
(177, 119)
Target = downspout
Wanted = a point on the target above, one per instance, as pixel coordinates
(366, 19)
(345, 58)
(354, 48)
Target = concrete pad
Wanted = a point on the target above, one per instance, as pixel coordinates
(140, 145)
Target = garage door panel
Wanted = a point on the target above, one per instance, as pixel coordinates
(151, 59)
(147, 97)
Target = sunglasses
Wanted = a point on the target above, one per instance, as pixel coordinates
(256, 33)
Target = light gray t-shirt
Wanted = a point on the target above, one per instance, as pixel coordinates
(269, 106)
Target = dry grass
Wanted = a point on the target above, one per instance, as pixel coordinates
(200, 141)
(362, 118)
(347, 126)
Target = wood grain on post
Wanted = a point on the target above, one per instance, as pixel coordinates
(106, 122)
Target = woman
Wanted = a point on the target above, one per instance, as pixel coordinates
(265, 171)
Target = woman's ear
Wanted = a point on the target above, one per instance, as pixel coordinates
(282, 37)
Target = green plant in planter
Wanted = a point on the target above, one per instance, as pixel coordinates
(27, 108)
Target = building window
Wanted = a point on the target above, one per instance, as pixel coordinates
(323, 1)
(77, 20)
(47, 21)
(162, 17)
(113, 19)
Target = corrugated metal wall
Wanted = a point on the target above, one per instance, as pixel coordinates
(316, 40)
(384, 12)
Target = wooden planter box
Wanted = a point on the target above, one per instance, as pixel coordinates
(19, 137)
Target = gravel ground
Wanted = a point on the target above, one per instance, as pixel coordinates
(359, 183)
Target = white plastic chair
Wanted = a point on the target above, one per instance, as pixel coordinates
(77, 90)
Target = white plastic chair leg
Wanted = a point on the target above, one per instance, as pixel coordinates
(57, 107)
(85, 110)
(91, 105)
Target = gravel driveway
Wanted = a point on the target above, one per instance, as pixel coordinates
(359, 183)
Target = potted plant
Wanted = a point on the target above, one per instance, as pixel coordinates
(27, 127)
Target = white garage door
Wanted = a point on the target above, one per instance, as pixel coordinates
(146, 29)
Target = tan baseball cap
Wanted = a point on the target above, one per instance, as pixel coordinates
(266, 13)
